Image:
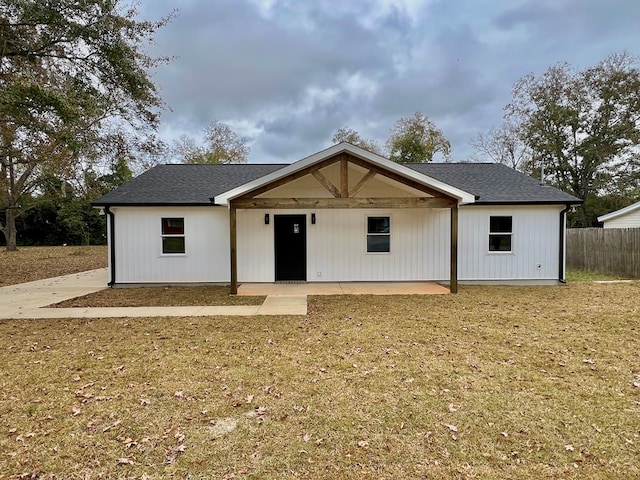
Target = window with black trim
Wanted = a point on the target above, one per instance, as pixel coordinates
(173, 235)
(378, 235)
(500, 234)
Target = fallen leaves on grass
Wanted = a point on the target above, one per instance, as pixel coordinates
(112, 426)
(37, 263)
(513, 419)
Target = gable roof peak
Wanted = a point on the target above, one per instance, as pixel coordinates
(345, 147)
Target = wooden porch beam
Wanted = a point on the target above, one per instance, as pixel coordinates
(363, 181)
(391, 202)
(324, 181)
(344, 176)
(291, 177)
(233, 248)
(397, 177)
(453, 281)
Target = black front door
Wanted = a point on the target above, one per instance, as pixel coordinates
(291, 247)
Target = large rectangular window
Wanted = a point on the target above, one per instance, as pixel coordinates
(173, 235)
(378, 235)
(500, 234)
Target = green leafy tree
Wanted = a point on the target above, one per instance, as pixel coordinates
(53, 216)
(416, 139)
(75, 83)
(582, 128)
(61, 212)
(95, 185)
(346, 134)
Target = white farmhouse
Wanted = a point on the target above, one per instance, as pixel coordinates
(342, 214)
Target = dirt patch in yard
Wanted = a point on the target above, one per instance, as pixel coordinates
(161, 296)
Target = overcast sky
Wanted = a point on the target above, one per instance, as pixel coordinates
(287, 74)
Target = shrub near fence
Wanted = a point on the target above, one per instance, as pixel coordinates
(614, 251)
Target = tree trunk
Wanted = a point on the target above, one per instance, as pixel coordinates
(9, 230)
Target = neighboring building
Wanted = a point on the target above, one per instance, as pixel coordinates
(628, 217)
(342, 214)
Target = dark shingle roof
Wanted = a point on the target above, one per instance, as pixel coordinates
(178, 184)
(493, 182)
(196, 184)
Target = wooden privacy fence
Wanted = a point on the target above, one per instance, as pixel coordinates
(614, 251)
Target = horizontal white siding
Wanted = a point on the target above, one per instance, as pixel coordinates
(336, 245)
(138, 245)
(535, 244)
(630, 220)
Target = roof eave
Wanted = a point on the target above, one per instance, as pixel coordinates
(152, 204)
(529, 202)
(617, 213)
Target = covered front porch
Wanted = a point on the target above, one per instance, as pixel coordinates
(334, 201)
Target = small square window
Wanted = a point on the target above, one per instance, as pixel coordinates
(173, 226)
(378, 235)
(378, 225)
(500, 224)
(173, 236)
(500, 234)
(378, 243)
(172, 244)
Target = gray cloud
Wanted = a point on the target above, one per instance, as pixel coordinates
(288, 73)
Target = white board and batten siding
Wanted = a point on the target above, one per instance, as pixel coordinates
(138, 244)
(535, 247)
(336, 245)
(420, 245)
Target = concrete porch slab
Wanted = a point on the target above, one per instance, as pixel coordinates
(343, 288)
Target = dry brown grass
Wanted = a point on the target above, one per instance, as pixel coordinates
(495, 382)
(35, 263)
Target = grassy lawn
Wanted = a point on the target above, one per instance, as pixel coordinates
(495, 382)
(586, 276)
(35, 263)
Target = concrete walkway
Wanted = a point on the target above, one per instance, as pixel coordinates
(29, 300)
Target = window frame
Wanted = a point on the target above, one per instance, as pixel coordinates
(500, 233)
(369, 234)
(172, 232)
